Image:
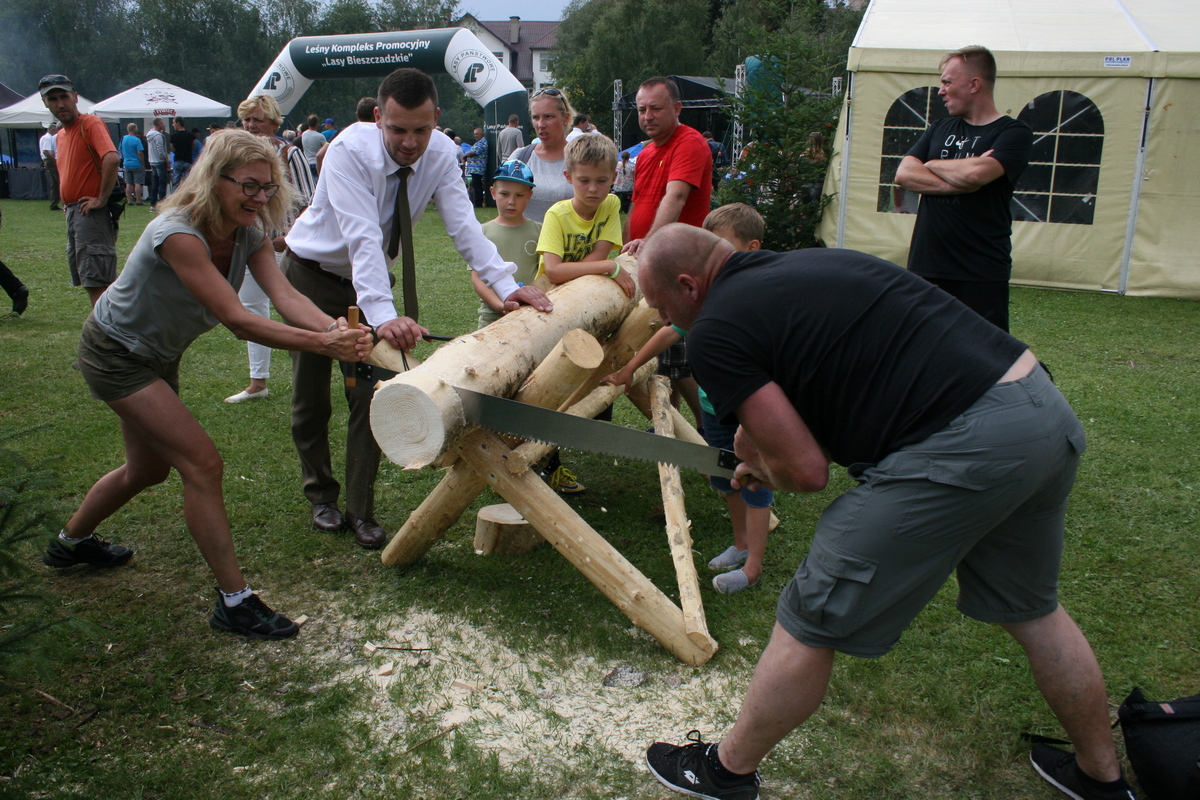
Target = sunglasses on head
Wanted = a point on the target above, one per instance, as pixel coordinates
(550, 91)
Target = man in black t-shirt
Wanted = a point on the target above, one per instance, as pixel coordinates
(964, 452)
(183, 142)
(964, 166)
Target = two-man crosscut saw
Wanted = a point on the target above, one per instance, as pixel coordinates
(565, 430)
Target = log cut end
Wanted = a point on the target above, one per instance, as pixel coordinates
(413, 419)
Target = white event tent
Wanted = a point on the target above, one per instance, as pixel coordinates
(1111, 197)
(156, 98)
(32, 112)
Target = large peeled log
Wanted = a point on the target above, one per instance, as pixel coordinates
(416, 416)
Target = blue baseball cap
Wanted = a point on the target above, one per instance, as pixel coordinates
(516, 171)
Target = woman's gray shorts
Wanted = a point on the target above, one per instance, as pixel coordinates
(984, 497)
(113, 372)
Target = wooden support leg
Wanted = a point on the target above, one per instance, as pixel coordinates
(440, 509)
(588, 551)
(639, 395)
(678, 526)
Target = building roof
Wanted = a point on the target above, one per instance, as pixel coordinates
(532, 35)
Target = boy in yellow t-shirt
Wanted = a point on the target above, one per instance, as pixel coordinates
(515, 237)
(577, 237)
(578, 234)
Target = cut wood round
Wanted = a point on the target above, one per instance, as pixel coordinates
(418, 411)
(501, 529)
(567, 366)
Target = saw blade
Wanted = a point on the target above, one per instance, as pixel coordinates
(589, 435)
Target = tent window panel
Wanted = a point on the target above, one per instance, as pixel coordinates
(896, 200)
(916, 108)
(1037, 175)
(907, 118)
(1069, 210)
(1028, 207)
(888, 167)
(1043, 149)
(1079, 149)
(1060, 183)
(898, 141)
(1076, 180)
(1080, 115)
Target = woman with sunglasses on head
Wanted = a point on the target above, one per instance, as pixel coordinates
(551, 114)
(182, 279)
(261, 116)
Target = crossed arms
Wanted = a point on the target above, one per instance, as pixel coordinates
(947, 176)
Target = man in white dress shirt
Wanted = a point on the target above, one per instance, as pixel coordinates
(336, 257)
(48, 146)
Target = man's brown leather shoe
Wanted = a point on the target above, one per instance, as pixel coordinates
(326, 517)
(367, 532)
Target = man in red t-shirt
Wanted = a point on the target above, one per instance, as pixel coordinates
(673, 183)
(87, 171)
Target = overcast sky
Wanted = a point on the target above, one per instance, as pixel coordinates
(539, 10)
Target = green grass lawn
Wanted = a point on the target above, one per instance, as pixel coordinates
(141, 699)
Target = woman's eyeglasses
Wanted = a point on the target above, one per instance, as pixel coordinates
(250, 188)
(551, 91)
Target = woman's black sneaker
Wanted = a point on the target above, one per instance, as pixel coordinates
(252, 617)
(684, 769)
(92, 550)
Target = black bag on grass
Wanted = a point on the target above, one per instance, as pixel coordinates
(1162, 741)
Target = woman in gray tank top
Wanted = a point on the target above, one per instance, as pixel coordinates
(182, 279)
(551, 114)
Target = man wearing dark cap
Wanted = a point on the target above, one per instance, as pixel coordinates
(330, 130)
(87, 169)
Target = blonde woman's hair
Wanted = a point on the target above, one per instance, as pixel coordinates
(564, 106)
(226, 150)
(261, 102)
(591, 148)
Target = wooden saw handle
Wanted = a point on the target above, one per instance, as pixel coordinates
(352, 318)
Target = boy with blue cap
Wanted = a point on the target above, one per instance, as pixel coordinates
(515, 236)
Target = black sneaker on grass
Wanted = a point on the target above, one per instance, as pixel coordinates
(92, 550)
(252, 617)
(1059, 769)
(685, 769)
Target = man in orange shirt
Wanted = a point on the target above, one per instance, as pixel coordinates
(87, 169)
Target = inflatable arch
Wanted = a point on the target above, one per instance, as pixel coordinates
(455, 51)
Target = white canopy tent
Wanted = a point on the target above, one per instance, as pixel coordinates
(1110, 199)
(156, 98)
(32, 112)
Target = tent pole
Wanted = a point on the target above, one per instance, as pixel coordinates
(1136, 194)
(843, 190)
(618, 117)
